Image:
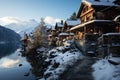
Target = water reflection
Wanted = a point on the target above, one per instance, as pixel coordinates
(36, 61)
(8, 48)
(10, 61)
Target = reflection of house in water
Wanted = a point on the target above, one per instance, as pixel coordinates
(97, 18)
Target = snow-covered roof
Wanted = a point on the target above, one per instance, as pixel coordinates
(111, 34)
(50, 35)
(100, 2)
(59, 24)
(47, 25)
(115, 59)
(81, 25)
(72, 22)
(71, 33)
(117, 18)
(63, 34)
(53, 27)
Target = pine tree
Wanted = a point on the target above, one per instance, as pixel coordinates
(43, 27)
(37, 36)
(73, 16)
(39, 33)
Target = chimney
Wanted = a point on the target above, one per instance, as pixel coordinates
(62, 22)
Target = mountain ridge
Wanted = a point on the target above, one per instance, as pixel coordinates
(8, 35)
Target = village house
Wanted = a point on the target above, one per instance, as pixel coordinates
(54, 32)
(59, 27)
(97, 18)
(68, 24)
(64, 33)
(27, 42)
(71, 22)
(60, 31)
(52, 35)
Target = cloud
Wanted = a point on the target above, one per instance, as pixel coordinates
(8, 63)
(51, 20)
(9, 20)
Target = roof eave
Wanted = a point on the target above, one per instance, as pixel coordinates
(92, 22)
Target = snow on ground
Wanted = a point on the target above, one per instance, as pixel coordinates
(60, 59)
(103, 70)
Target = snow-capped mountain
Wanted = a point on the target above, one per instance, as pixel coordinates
(20, 26)
(24, 26)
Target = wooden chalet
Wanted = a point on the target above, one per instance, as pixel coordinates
(52, 36)
(53, 31)
(97, 18)
(69, 23)
(59, 27)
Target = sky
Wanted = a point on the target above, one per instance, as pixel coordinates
(35, 9)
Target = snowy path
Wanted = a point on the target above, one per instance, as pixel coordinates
(80, 71)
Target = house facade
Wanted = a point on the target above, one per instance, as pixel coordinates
(97, 18)
(59, 27)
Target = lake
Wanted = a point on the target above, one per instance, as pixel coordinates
(12, 65)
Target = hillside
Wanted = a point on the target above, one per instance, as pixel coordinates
(7, 35)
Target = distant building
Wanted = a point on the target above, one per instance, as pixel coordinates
(59, 27)
(70, 23)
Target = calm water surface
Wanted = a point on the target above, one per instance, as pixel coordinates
(10, 60)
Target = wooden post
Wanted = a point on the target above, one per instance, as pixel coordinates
(84, 47)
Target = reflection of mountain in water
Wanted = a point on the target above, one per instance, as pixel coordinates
(8, 48)
(9, 40)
